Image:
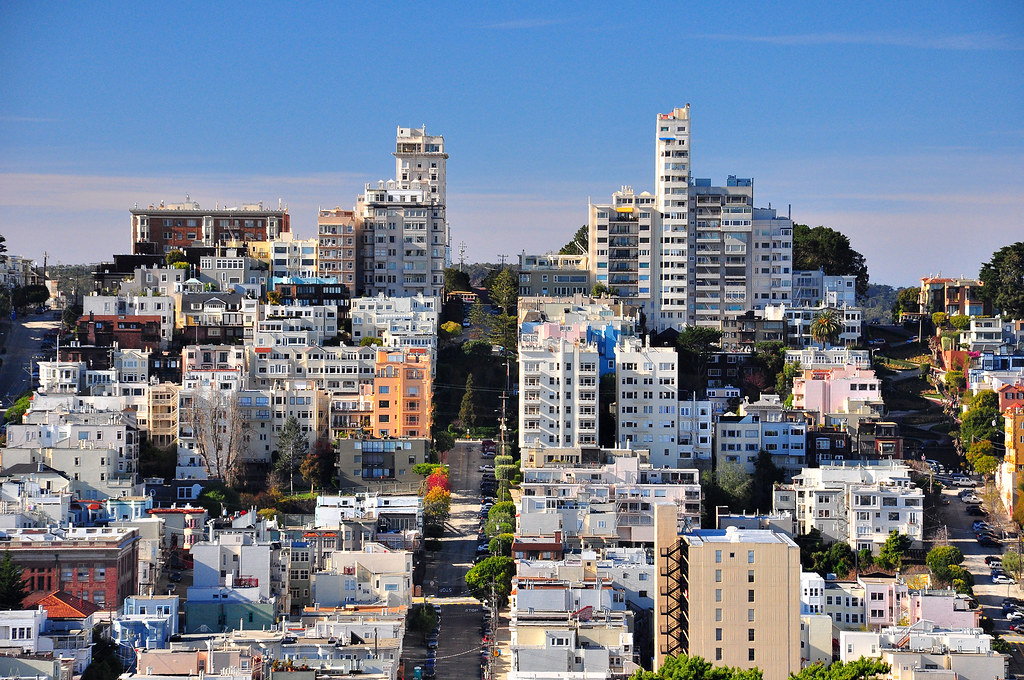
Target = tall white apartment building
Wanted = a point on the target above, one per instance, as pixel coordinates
(675, 245)
(558, 387)
(404, 246)
(814, 288)
(399, 322)
(771, 260)
(622, 237)
(856, 504)
(647, 401)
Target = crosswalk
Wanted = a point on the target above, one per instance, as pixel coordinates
(430, 599)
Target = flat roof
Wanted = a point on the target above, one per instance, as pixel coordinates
(737, 535)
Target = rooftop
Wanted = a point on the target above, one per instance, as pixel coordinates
(736, 535)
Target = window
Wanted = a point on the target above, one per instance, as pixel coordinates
(718, 634)
(718, 594)
(750, 654)
(750, 557)
(718, 556)
(718, 575)
(750, 576)
(750, 596)
(718, 653)
(750, 615)
(718, 615)
(750, 634)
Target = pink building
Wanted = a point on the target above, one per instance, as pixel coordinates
(944, 608)
(836, 390)
(883, 600)
(1010, 396)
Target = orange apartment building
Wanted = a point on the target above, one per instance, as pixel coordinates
(402, 393)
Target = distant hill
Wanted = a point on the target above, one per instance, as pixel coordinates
(878, 303)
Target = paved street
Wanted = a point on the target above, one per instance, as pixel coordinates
(23, 341)
(460, 645)
(989, 595)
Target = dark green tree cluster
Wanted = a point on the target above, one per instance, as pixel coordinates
(579, 244)
(105, 665)
(456, 280)
(892, 552)
(940, 559)
(906, 301)
(684, 667)
(829, 250)
(1003, 279)
(13, 590)
(982, 421)
(695, 345)
(492, 575)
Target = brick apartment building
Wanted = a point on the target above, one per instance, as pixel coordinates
(128, 331)
(100, 565)
(159, 229)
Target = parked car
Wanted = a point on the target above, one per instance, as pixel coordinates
(963, 480)
(972, 500)
(993, 559)
(977, 511)
(487, 467)
(489, 446)
(1014, 615)
(1017, 628)
(986, 540)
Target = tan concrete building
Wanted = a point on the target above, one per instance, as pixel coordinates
(338, 233)
(731, 596)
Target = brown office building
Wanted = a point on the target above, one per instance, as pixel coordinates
(160, 229)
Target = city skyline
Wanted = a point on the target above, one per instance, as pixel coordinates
(853, 127)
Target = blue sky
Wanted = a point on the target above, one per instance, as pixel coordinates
(901, 125)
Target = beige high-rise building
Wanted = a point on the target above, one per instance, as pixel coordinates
(338, 232)
(731, 596)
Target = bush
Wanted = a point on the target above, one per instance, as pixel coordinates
(432, 544)
(422, 618)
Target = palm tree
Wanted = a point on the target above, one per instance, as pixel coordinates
(826, 327)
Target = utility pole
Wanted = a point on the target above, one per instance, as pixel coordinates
(462, 256)
(502, 257)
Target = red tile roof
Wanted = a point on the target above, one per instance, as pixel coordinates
(63, 605)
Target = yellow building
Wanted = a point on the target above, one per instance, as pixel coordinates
(402, 393)
(163, 414)
(731, 596)
(1009, 472)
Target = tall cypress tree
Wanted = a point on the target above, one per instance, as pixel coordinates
(12, 587)
(467, 412)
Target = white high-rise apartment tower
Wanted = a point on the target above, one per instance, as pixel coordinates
(675, 245)
(404, 246)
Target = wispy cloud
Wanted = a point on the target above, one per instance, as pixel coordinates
(962, 42)
(27, 119)
(523, 24)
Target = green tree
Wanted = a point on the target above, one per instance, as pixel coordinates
(1003, 279)
(826, 327)
(861, 669)
(503, 508)
(13, 590)
(939, 560)
(892, 552)
(906, 302)
(422, 618)
(425, 469)
(480, 321)
(16, 412)
(456, 280)
(695, 345)
(961, 579)
(371, 341)
(505, 292)
(982, 457)
(492, 575)
(450, 330)
(174, 256)
(317, 466)
(443, 441)
(502, 545)
(437, 505)
(600, 289)
(766, 475)
(770, 356)
(939, 319)
(292, 446)
(784, 383)
(982, 420)
(105, 664)
(1012, 562)
(829, 250)
(219, 499)
(467, 411)
(579, 245)
(684, 667)
(961, 322)
(735, 483)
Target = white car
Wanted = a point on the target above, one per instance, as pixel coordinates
(1014, 615)
(1002, 579)
(972, 500)
(486, 468)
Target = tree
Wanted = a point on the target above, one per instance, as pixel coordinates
(219, 499)
(961, 322)
(467, 411)
(16, 412)
(766, 475)
(735, 483)
(479, 320)
(438, 479)
(826, 327)
(505, 292)
(292, 446)
(443, 441)
(982, 457)
(105, 663)
(784, 383)
(30, 296)
(940, 558)
(837, 559)
(456, 280)
(424, 469)
(218, 429)
(961, 579)
(906, 302)
(891, 554)
(437, 505)
(13, 590)
(450, 330)
(1012, 562)
(492, 576)
(939, 319)
(829, 250)
(1003, 280)
(502, 508)
(371, 341)
(317, 467)
(861, 669)
(684, 667)
(599, 290)
(695, 345)
(174, 256)
(982, 420)
(580, 243)
(502, 545)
